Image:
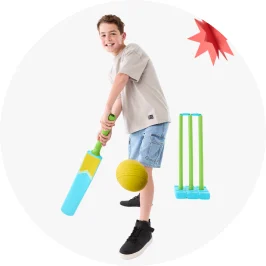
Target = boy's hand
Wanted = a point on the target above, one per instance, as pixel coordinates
(102, 138)
(106, 124)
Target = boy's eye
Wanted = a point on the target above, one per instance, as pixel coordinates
(103, 35)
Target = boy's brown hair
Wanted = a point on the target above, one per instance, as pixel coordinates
(112, 19)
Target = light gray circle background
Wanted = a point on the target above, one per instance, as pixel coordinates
(51, 116)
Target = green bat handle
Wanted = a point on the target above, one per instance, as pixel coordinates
(97, 149)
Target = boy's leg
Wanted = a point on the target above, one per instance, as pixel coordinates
(150, 155)
(134, 144)
(146, 197)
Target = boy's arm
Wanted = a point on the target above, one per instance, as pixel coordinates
(117, 107)
(116, 110)
(118, 85)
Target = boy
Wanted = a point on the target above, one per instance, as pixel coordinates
(137, 93)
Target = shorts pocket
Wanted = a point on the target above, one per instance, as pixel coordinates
(155, 148)
(157, 139)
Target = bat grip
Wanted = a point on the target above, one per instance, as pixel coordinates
(97, 149)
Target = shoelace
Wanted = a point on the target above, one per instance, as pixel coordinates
(136, 232)
(134, 235)
(135, 197)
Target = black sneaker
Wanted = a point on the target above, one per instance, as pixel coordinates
(134, 202)
(138, 241)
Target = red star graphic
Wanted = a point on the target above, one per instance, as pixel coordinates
(210, 40)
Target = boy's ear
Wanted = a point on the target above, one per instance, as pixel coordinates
(124, 35)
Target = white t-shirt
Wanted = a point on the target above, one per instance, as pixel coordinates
(143, 101)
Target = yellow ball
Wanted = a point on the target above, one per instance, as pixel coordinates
(131, 175)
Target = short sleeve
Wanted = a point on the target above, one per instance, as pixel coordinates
(133, 64)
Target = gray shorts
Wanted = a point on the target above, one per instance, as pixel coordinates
(147, 145)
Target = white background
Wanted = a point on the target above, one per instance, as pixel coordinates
(22, 25)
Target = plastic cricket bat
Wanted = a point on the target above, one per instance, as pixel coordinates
(84, 176)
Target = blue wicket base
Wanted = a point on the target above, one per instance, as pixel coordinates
(194, 193)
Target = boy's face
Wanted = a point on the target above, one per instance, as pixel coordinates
(111, 38)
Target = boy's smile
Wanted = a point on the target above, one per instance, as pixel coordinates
(112, 40)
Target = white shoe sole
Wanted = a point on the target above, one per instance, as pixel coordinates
(134, 255)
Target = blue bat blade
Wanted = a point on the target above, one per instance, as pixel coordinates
(76, 193)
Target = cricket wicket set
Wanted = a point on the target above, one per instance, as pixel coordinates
(191, 191)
